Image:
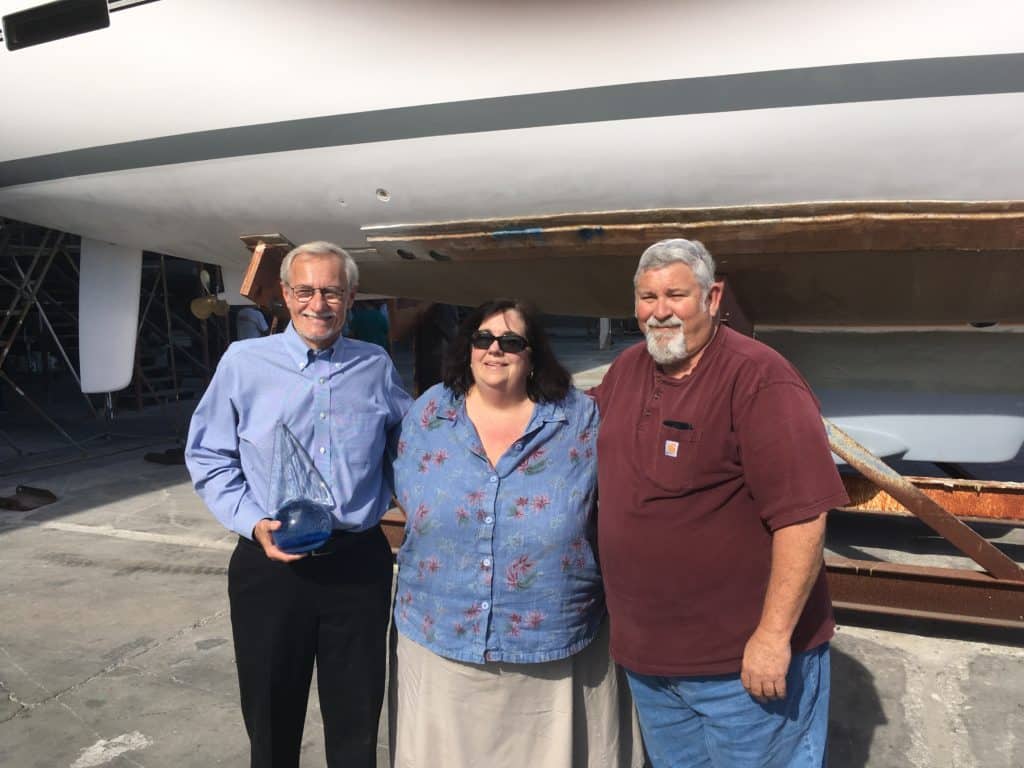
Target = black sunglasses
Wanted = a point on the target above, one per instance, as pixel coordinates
(507, 342)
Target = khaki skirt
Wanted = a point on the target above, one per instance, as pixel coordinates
(569, 713)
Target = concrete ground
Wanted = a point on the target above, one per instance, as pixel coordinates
(115, 643)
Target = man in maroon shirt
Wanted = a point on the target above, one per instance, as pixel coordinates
(714, 478)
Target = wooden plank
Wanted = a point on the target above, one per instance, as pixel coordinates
(702, 214)
(848, 232)
(835, 289)
(944, 263)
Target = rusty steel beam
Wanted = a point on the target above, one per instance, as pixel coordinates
(938, 519)
(930, 593)
(982, 499)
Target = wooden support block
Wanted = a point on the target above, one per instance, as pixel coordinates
(731, 311)
(262, 282)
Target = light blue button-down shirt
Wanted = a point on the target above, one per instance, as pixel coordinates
(341, 403)
(498, 563)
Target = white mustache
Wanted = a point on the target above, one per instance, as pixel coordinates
(672, 322)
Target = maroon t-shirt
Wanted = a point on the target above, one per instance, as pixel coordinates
(694, 474)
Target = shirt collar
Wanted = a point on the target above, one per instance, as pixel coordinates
(549, 412)
(302, 354)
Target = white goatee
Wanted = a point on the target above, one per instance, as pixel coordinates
(666, 351)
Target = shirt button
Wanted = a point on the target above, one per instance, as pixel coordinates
(488, 519)
(487, 562)
(322, 415)
(322, 379)
(485, 605)
(519, 446)
(322, 449)
(494, 478)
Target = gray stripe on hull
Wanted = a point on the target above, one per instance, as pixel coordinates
(840, 84)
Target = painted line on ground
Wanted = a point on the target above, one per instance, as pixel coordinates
(151, 538)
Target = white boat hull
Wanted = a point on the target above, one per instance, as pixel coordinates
(188, 124)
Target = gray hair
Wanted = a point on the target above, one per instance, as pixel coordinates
(322, 248)
(692, 253)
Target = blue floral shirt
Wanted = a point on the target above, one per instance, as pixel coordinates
(498, 563)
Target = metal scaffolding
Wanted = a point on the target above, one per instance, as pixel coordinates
(23, 269)
(39, 281)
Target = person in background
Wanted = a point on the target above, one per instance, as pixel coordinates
(434, 332)
(501, 656)
(343, 400)
(368, 323)
(715, 477)
(251, 323)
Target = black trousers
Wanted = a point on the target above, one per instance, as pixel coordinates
(332, 609)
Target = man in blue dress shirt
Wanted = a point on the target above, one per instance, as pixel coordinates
(343, 400)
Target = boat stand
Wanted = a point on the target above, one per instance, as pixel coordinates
(994, 597)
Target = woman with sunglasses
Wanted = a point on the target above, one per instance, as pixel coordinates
(502, 648)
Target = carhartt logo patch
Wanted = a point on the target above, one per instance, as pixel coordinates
(671, 448)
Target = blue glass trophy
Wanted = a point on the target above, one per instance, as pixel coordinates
(299, 497)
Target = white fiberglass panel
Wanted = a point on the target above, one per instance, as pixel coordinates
(108, 314)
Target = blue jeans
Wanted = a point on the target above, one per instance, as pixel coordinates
(691, 722)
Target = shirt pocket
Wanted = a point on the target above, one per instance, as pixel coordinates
(359, 437)
(672, 459)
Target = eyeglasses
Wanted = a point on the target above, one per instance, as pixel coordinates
(305, 293)
(507, 342)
